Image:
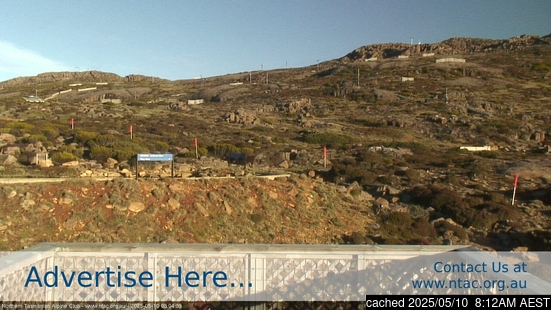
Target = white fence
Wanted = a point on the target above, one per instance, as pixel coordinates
(244, 272)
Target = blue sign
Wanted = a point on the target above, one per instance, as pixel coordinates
(155, 157)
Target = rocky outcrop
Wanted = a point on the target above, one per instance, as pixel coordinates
(301, 105)
(240, 116)
(387, 95)
(178, 106)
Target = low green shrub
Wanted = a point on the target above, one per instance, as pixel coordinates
(82, 137)
(327, 138)
(101, 153)
(36, 138)
(63, 157)
(76, 151)
(223, 149)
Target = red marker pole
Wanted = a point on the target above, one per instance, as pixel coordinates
(196, 148)
(131, 133)
(324, 157)
(514, 189)
(72, 123)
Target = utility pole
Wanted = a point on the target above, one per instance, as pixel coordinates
(358, 77)
(318, 61)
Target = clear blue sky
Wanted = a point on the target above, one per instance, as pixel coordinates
(182, 39)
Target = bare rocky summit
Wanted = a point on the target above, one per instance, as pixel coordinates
(451, 46)
(77, 77)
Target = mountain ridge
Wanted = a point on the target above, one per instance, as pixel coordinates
(451, 46)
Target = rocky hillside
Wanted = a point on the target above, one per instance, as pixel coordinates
(451, 46)
(291, 210)
(419, 151)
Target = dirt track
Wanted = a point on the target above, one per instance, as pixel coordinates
(42, 180)
(55, 180)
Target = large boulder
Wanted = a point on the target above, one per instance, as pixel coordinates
(7, 137)
(7, 159)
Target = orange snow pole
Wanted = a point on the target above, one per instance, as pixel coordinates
(515, 184)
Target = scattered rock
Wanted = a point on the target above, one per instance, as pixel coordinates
(9, 138)
(381, 202)
(227, 207)
(353, 186)
(176, 187)
(202, 209)
(65, 201)
(136, 206)
(12, 194)
(73, 163)
(520, 249)
(7, 159)
(120, 208)
(126, 173)
(284, 164)
(27, 203)
(110, 163)
(173, 204)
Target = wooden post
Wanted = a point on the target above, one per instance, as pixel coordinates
(131, 133)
